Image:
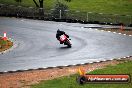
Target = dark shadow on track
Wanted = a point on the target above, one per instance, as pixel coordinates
(65, 47)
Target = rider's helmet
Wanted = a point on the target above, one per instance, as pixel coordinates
(58, 30)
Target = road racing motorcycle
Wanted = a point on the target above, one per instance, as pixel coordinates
(64, 40)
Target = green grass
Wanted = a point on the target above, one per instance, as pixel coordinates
(70, 81)
(2, 42)
(5, 44)
(103, 6)
(99, 6)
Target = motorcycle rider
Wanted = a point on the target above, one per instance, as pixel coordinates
(59, 33)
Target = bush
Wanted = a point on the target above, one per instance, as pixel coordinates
(56, 12)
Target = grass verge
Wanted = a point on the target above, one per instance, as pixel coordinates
(4, 45)
(70, 81)
(98, 6)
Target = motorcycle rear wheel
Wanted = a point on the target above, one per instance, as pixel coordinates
(68, 44)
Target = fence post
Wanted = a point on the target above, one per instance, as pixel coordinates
(88, 15)
(66, 11)
(76, 16)
(41, 13)
(116, 18)
(130, 19)
(60, 14)
(31, 12)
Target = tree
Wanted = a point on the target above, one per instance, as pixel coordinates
(36, 3)
(40, 3)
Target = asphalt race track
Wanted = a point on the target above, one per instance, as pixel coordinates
(37, 47)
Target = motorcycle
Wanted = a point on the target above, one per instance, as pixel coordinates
(64, 40)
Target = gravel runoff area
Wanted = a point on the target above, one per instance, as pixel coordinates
(27, 78)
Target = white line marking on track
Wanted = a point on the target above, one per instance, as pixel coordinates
(124, 34)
